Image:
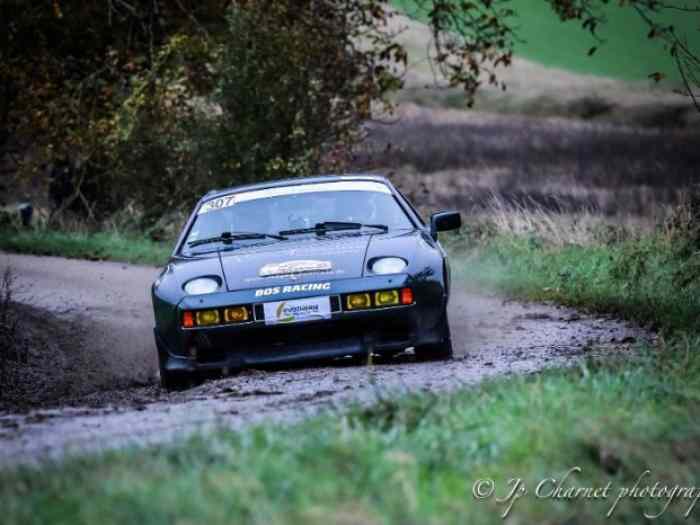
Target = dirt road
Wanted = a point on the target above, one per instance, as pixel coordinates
(99, 315)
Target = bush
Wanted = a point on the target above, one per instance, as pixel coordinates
(277, 94)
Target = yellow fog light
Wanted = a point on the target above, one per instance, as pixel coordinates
(357, 301)
(386, 298)
(236, 314)
(207, 317)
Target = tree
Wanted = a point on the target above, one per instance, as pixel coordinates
(274, 95)
(65, 70)
(141, 95)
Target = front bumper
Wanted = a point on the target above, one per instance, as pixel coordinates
(347, 333)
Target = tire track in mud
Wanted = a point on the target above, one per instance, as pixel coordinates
(110, 303)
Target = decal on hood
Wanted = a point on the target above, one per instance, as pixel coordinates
(294, 267)
(292, 288)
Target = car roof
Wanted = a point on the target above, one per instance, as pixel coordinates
(294, 182)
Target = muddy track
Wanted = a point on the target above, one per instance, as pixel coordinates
(101, 313)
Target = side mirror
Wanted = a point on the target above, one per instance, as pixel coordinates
(444, 221)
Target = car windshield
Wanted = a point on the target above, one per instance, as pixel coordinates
(287, 208)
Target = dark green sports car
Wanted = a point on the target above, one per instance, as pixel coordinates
(302, 269)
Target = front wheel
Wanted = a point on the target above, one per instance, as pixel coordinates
(435, 352)
(175, 380)
(170, 380)
(441, 351)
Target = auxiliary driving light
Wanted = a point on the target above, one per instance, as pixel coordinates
(358, 301)
(386, 298)
(214, 317)
(236, 314)
(379, 299)
(207, 317)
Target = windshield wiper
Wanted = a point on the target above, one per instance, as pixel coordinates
(229, 237)
(330, 226)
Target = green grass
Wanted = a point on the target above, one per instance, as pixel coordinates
(650, 280)
(95, 246)
(626, 54)
(416, 459)
(409, 461)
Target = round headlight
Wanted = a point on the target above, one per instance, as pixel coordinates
(387, 265)
(201, 286)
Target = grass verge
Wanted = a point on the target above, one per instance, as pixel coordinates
(651, 280)
(415, 460)
(630, 423)
(93, 246)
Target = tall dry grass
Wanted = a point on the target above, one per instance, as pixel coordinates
(583, 227)
(460, 160)
(587, 227)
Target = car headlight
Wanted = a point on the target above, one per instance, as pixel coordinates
(387, 265)
(201, 285)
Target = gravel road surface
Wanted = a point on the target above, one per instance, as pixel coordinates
(98, 314)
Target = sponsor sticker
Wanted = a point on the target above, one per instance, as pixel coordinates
(293, 267)
(297, 310)
(292, 288)
(295, 189)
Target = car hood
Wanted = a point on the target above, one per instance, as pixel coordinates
(313, 258)
(336, 257)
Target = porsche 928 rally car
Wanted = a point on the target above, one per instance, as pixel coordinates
(302, 269)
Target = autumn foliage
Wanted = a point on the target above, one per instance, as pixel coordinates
(155, 101)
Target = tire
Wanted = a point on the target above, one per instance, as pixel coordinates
(436, 352)
(441, 351)
(174, 381)
(171, 380)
